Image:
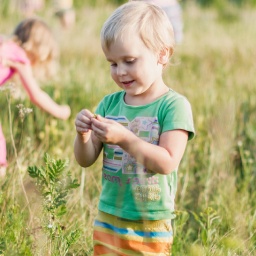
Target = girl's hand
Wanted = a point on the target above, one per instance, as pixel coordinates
(36, 95)
(108, 131)
(64, 112)
(83, 121)
(17, 65)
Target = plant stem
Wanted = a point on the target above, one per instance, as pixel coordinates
(16, 157)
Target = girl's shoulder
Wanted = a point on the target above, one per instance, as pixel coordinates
(9, 50)
(3, 41)
(6, 41)
(12, 51)
(3, 38)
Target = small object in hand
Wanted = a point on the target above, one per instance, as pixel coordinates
(95, 116)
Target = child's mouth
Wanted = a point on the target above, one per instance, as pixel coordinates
(127, 83)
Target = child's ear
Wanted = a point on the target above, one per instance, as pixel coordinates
(164, 56)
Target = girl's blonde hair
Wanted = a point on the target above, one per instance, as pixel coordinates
(36, 38)
(148, 20)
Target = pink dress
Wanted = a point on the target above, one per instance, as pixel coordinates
(8, 51)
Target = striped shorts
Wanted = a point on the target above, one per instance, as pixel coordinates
(117, 236)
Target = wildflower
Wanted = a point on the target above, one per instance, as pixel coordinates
(240, 143)
(23, 111)
(9, 87)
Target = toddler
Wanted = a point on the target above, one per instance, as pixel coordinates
(143, 131)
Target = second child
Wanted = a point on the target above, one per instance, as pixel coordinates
(30, 50)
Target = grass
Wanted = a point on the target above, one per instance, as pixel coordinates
(214, 68)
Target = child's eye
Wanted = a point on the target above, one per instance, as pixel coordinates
(113, 64)
(130, 61)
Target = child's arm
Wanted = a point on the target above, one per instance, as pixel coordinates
(162, 158)
(87, 147)
(36, 95)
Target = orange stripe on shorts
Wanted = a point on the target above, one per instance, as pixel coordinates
(128, 244)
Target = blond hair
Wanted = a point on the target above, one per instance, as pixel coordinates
(36, 38)
(148, 20)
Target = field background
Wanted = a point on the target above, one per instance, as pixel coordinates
(214, 68)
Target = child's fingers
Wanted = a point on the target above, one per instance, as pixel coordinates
(12, 64)
(4, 62)
(87, 113)
(101, 124)
(101, 119)
(83, 121)
(81, 127)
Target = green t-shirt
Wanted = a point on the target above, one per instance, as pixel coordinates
(129, 190)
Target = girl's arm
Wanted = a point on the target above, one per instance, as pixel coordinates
(87, 147)
(162, 158)
(36, 95)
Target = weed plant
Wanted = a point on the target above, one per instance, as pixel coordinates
(54, 185)
(214, 68)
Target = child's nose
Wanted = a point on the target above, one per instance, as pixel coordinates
(121, 70)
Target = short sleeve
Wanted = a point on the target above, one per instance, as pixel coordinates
(178, 115)
(10, 51)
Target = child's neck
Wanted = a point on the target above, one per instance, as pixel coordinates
(147, 97)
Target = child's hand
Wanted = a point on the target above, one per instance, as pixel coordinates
(83, 121)
(108, 131)
(64, 112)
(16, 65)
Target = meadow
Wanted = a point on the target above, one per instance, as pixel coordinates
(214, 68)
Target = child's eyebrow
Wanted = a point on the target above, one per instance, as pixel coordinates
(109, 60)
(122, 57)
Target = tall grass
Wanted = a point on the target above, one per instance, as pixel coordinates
(214, 68)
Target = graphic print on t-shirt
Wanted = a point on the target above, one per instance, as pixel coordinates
(115, 158)
(144, 183)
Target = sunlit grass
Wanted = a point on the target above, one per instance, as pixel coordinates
(214, 68)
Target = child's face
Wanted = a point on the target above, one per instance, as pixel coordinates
(134, 67)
